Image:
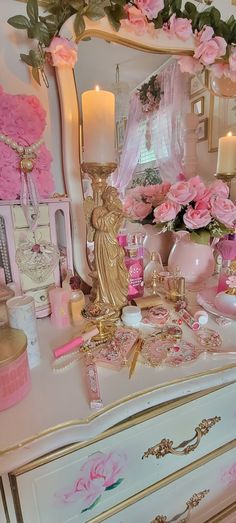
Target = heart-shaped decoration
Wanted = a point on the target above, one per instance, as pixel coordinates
(37, 260)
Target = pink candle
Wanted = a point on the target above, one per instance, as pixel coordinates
(59, 301)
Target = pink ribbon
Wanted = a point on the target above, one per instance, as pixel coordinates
(29, 198)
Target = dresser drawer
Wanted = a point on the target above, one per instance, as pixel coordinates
(88, 480)
(214, 483)
(19, 217)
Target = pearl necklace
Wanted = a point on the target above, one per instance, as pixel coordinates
(20, 149)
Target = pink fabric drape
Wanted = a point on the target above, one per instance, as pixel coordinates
(165, 128)
(132, 145)
(167, 122)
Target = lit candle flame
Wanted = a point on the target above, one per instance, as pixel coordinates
(97, 88)
(230, 134)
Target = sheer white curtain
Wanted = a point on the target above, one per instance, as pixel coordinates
(167, 122)
(165, 127)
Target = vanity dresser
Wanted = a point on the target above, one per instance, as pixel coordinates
(165, 442)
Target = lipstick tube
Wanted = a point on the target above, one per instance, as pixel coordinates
(73, 344)
(189, 320)
(92, 382)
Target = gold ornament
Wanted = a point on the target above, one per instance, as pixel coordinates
(112, 275)
(26, 164)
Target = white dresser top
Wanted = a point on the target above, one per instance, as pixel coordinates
(56, 411)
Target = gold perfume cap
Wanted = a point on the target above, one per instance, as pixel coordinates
(153, 256)
(13, 343)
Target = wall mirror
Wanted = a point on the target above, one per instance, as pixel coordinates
(138, 58)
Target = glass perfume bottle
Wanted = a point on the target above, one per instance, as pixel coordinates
(134, 264)
(155, 264)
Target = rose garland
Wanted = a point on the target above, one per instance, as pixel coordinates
(214, 38)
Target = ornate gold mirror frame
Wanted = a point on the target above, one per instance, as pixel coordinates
(70, 118)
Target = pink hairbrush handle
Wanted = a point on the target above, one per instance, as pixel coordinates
(73, 344)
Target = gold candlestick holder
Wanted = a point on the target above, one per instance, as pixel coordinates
(98, 172)
(227, 178)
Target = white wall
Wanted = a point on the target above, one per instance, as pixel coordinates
(15, 78)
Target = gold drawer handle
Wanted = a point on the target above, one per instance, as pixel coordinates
(192, 503)
(165, 446)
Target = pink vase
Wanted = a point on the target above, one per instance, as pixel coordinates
(195, 261)
(158, 242)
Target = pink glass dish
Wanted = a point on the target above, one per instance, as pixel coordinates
(209, 339)
(156, 316)
(182, 352)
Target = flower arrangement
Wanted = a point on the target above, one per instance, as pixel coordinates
(203, 211)
(150, 95)
(23, 120)
(212, 37)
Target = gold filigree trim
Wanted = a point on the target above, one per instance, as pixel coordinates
(191, 504)
(165, 446)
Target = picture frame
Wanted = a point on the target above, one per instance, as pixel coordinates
(202, 130)
(198, 83)
(198, 106)
(222, 119)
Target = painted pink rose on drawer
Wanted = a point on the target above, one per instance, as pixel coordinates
(101, 472)
(229, 476)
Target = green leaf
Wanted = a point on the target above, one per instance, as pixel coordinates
(215, 16)
(202, 237)
(190, 9)
(178, 4)
(36, 58)
(19, 22)
(91, 506)
(204, 19)
(41, 32)
(32, 10)
(114, 14)
(223, 30)
(35, 74)
(26, 58)
(94, 11)
(79, 25)
(158, 22)
(114, 485)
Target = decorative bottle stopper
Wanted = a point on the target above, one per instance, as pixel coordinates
(154, 282)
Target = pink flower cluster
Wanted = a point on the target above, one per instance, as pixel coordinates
(23, 119)
(209, 48)
(99, 473)
(141, 200)
(62, 52)
(201, 204)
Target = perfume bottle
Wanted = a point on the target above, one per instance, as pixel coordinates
(155, 264)
(227, 249)
(134, 264)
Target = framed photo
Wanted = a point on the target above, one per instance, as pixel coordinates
(222, 119)
(202, 130)
(198, 106)
(198, 84)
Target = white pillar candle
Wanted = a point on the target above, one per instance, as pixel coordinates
(227, 155)
(98, 108)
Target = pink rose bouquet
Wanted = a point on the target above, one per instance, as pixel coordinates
(141, 201)
(203, 211)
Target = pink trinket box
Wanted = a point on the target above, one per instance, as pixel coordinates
(115, 353)
(15, 380)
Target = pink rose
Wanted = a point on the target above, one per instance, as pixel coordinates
(141, 210)
(182, 193)
(198, 185)
(196, 218)
(108, 467)
(220, 70)
(180, 27)
(155, 193)
(166, 212)
(136, 20)
(150, 8)
(210, 48)
(189, 65)
(223, 210)
(128, 205)
(63, 52)
(218, 188)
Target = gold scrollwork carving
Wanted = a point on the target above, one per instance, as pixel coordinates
(165, 446)
(191, 504)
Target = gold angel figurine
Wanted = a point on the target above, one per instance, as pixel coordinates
(112, 275)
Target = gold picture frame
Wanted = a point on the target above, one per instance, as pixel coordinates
(198, 83)
(202, 130)
(198, 106)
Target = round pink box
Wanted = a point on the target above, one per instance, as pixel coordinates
(15, 380)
